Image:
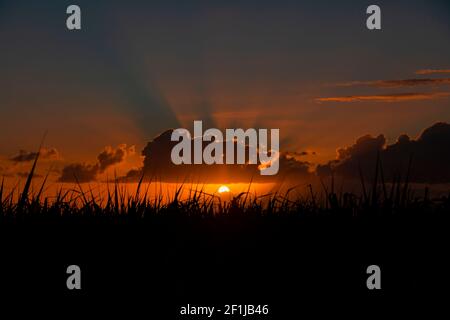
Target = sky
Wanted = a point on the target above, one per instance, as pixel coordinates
(137, 68)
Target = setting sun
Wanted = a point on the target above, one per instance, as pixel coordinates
(223, 189)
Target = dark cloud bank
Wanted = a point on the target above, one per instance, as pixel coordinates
(429, 154)
(158, 165)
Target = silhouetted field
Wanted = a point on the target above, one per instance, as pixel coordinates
(274, 250)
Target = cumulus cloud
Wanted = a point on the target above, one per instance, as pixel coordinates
(396, 97)
(110, 156)
(80, 172)
(45, 154)
(430, 154)
(158, 165)
(83, 172)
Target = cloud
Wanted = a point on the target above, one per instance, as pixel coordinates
(158, 165)
(396, 97)
(298, 155)
(26, 174)
(432, 71)
(396, 83)
(110, 156)
(45, 154)
(80, 172)
(430, 156)
(83, 172)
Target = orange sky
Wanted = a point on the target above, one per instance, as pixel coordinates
(134, 72)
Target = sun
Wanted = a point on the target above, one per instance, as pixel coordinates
(223, 189)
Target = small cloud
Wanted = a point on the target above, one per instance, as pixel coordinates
(79, 172)
(82, 172)
(46, 154)
(26, 174)
(432, 71)
(297, 155)
(396, 97)
(396, 83)
(111, 156)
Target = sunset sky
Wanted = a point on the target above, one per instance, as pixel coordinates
(138, 68)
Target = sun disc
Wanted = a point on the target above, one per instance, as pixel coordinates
(223, 189)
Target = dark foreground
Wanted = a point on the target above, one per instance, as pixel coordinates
(292, 263)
